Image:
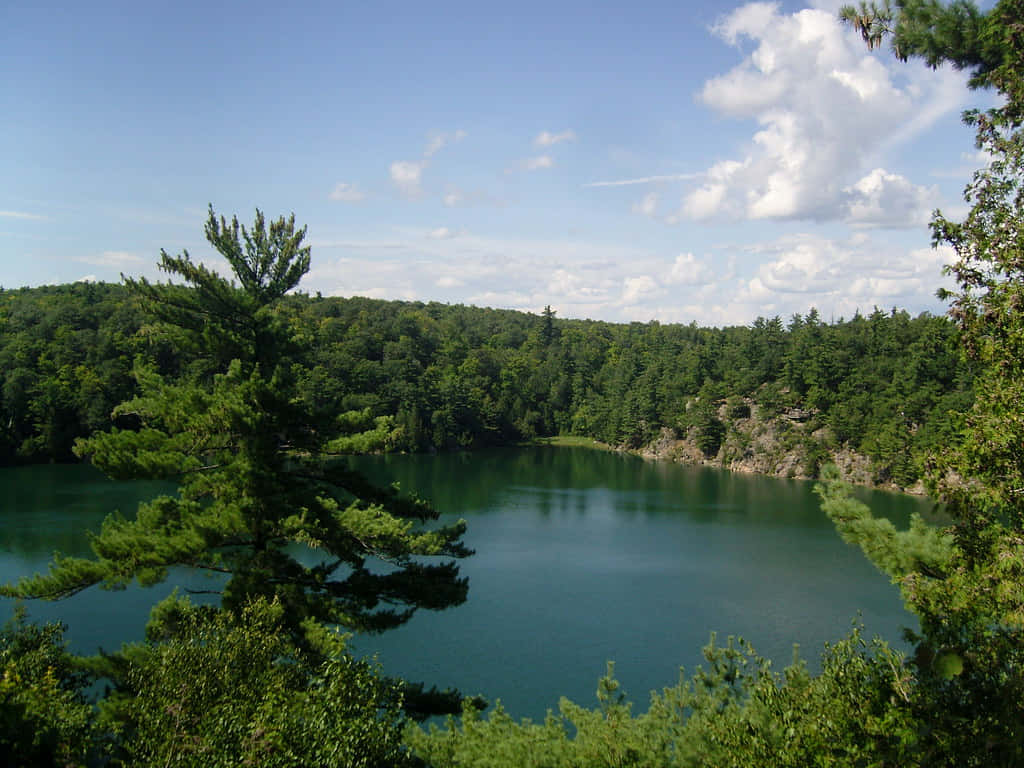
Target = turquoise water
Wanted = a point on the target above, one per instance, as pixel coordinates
(581, 556)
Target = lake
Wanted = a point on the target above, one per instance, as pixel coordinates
(582, 556)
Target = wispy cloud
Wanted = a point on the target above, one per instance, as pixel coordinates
(646, 180)
(548, 139)
(444, 233)
(407, 174)
(541, 161)
(20, 215)
(441, 140)
(648, 205)
(113, 259)
(727, 286)
(348, 193)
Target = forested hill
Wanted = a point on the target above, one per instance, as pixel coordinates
(444, 377)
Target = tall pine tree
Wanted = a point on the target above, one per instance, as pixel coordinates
(262, 502)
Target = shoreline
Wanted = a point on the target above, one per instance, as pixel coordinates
(854, 467)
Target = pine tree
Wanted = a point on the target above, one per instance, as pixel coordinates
(262, 503)
(966, 585)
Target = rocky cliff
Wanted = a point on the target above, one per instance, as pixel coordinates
(791, 444)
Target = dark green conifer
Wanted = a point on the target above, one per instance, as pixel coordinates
(261, 505)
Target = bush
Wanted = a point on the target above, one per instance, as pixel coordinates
(737, 712)
(233, 690)
(45, 718)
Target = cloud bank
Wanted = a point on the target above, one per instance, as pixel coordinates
(582, 279)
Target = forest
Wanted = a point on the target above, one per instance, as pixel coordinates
(243, 392)
(442, 377)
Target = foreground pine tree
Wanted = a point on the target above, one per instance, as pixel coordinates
(262, 504)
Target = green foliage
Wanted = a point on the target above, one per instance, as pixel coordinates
(737, 408)
(957, 33)
(209, 688)
(964, 584)
(65, 361)
(920, 549)
(232, 689)
(736, 712)
(263, 504)
(219, 320)
(454, 377)
(710, 429)
(45, 718)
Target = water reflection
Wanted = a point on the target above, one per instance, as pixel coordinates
(582, 556)
(555, 480)
(52, 507)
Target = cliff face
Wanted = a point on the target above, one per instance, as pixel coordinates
(789, 444)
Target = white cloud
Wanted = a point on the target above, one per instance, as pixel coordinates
(441, 140)
(688, 270)
(406, 176)
(541, 161)
(970, 162)
(883, 199)
(844, 277)
(832, 6)
(502, 299)
(547, 139)
(20, 215)
(707, 200)
(349, 193)
(636, 289)
(824, 108)
(647, 206)
(443, 233)
(113, 259)
(731, 285)
(979, 158)
(453, 197)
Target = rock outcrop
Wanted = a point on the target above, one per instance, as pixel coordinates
(787, 444)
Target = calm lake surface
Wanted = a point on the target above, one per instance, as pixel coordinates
(582, 557)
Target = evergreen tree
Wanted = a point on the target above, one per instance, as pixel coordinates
(966, 584)
(548, 331)
(262, 504)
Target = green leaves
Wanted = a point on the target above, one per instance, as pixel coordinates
(734, 712)
(45, 719)
(234, 689)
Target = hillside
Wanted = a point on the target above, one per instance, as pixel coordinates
(876, 392)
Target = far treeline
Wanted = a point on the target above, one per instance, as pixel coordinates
(441, 377)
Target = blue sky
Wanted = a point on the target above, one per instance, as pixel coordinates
(630, 161)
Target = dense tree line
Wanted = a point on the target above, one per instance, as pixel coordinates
(437, 377)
